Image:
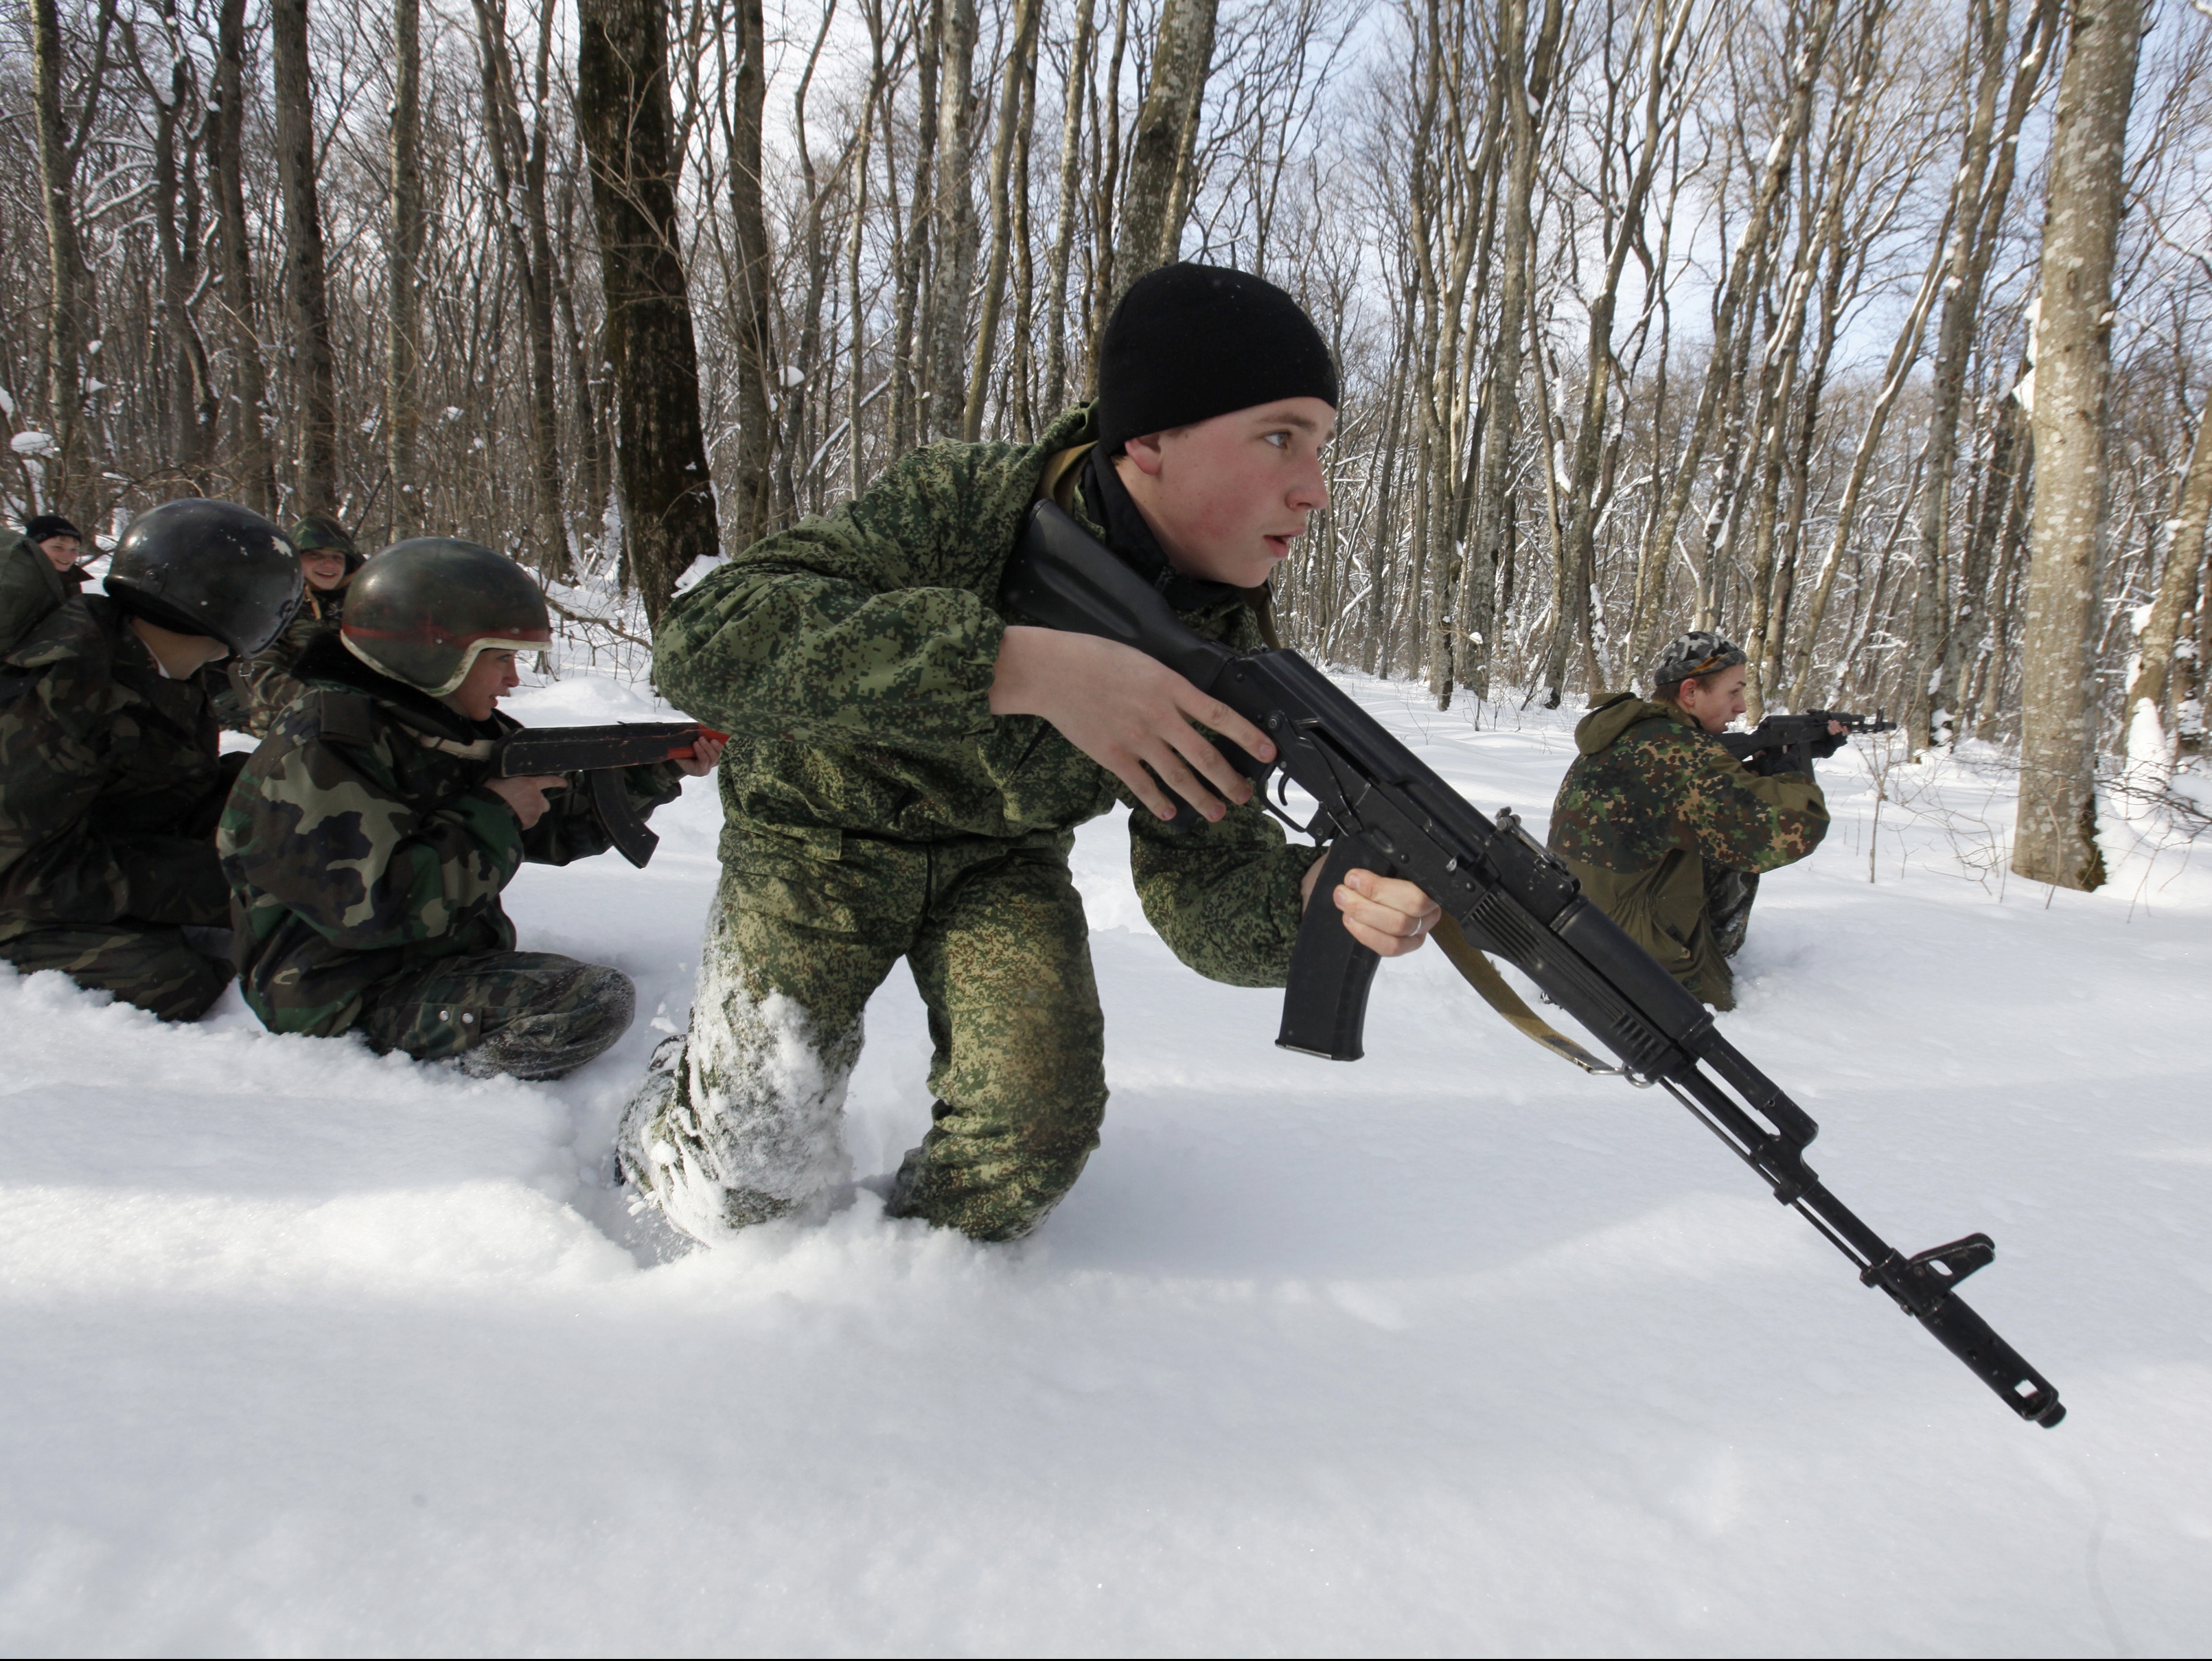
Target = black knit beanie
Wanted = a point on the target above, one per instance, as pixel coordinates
(1188, 343)
(43, 525)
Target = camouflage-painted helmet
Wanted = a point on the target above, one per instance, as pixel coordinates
(317, 532)
(207, 568)
(422, 611)
(1700, 651)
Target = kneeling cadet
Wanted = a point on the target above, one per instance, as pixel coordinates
(110, 776)
(1667, 831)
(366, 841)
(907, 764)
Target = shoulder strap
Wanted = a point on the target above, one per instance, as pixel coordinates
(1057, 483)
(345, 717)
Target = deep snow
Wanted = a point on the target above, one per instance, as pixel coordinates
(1452, 1350)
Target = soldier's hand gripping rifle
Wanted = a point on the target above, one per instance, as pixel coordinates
(600, 754)
(1791, 744)
(1504, 893)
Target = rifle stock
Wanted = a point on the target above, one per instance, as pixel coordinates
(1381, 809)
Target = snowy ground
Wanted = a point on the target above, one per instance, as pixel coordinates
(1453, 1350)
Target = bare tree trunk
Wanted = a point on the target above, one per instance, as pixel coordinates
(1063, 241)
(2056, 839)
(2150, 718)
(742, 116)
(402, 397)
(1526, 67)
(623, 106)
(910, 354)
(196, 410)
(69, 283)
(855, 374)
(519, 172)
(1983, 187)
(953, 229)
(305, 285)
(254, 466)
(805, 360)
(1182, 56)
(1019, 76)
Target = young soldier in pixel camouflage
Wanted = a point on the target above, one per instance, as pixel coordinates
(1666, 830)
(110, 782)
(366, 841)
(264, 683)
(907, 765)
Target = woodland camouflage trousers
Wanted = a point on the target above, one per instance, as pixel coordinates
(151, 964)
(1729, 895)
(739, 1122)
(532, 1014)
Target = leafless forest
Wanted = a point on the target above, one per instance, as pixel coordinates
(1651, 312)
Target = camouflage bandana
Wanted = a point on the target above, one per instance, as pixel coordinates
(1700, 651)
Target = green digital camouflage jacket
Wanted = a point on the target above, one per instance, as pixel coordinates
(109, 780)
(30, 590)
(263, 683)
(1650, 798)
(361, 845)
(850, 659)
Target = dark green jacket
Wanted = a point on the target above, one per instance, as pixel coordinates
(109, 780)
(264, 683)
(1650, 799)
(362, 846)
(851, 657)
(30, 590)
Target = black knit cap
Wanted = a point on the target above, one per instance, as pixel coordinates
(42, 525)
(1188, 343)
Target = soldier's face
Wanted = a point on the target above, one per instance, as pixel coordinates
(1227, 497)
(62, 550)
(324, 569)
(1713, 705)
(490, 679)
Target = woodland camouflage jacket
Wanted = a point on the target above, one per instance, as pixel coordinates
(361, 845)
(109, 780)
(264, 683)
(1650, 800)
(851, 657)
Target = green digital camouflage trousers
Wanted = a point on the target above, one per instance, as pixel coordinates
(154, 965)
(530, 1014)
(739, 1122)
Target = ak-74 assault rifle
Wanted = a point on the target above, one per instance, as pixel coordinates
(1502, 892)
(600, 754)
(1790, 744)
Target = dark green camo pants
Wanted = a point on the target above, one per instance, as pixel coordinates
(740, 1122)
(151, 964)
(529, 1013)
(1729, 895)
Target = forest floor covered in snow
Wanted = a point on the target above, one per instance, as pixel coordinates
(1451, 1351)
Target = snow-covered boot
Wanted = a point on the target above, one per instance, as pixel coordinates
(737, 1121)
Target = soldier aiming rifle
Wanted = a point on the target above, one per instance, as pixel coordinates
(370, 836)
(1667, 825)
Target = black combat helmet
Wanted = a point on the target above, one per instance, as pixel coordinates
(208, 568)
(421, 610)
(317, 532)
